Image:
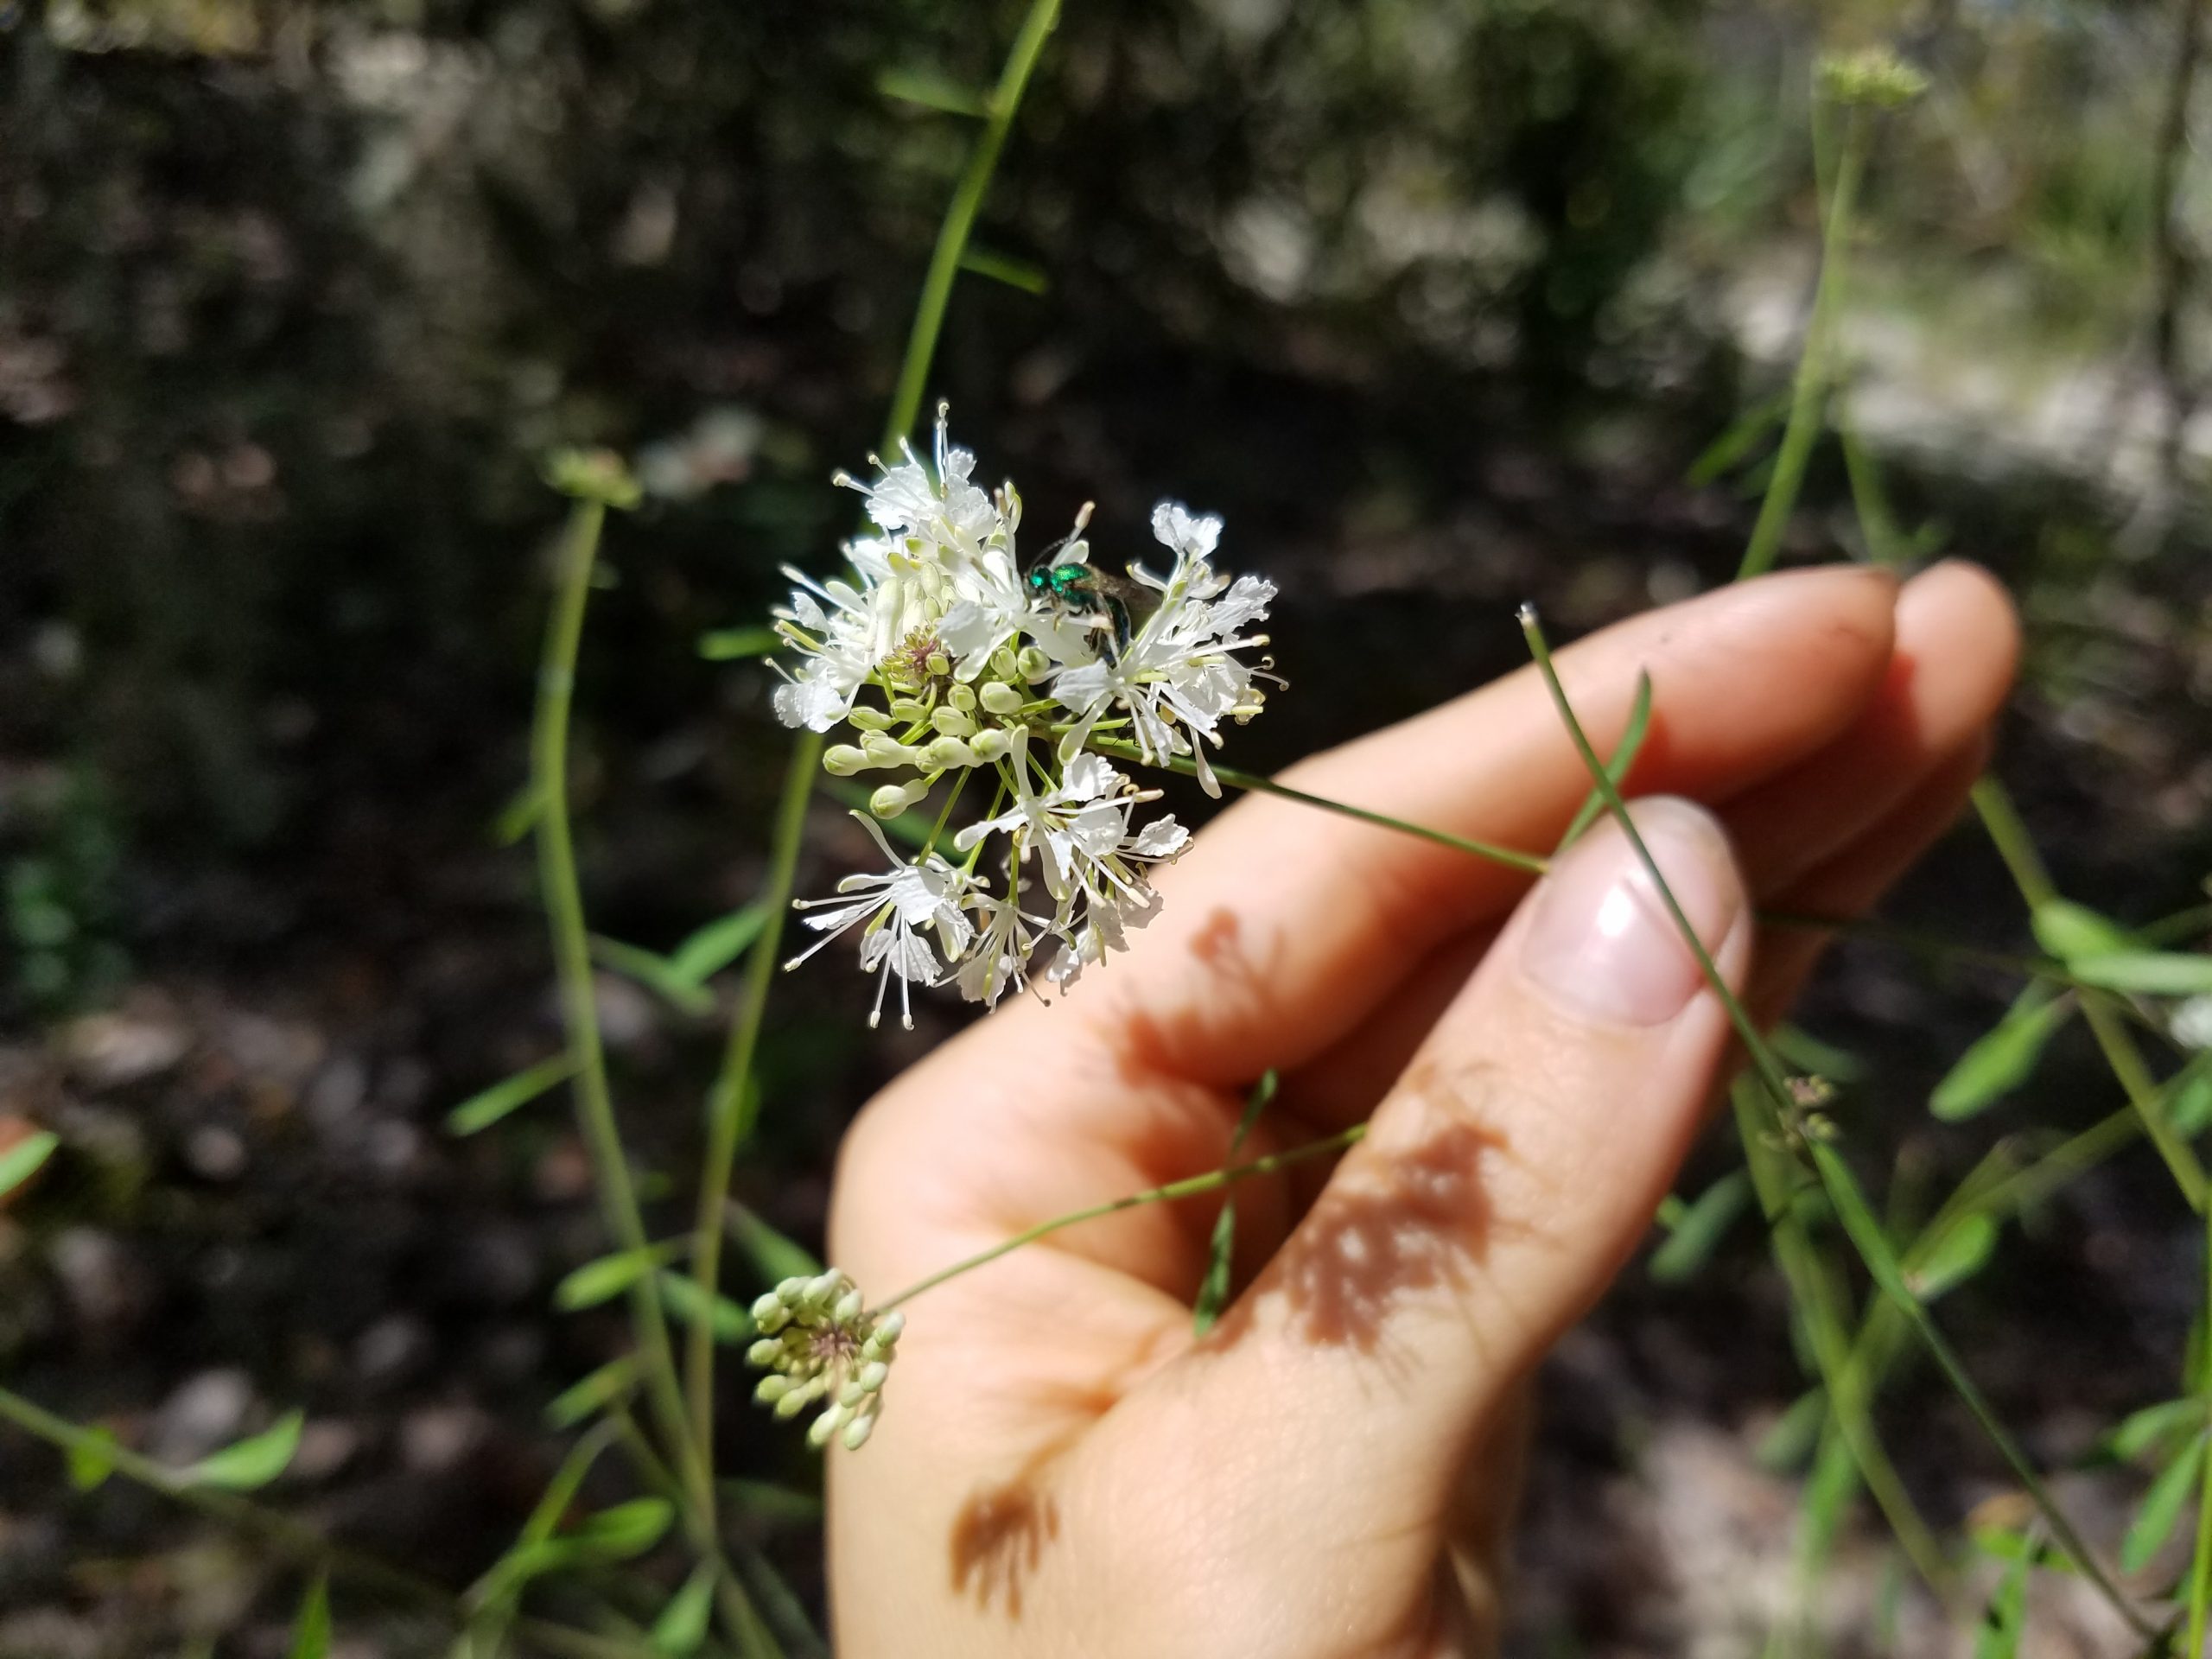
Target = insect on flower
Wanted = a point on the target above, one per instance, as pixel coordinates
(960, 671)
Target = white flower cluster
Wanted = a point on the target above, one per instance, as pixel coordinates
(951, 664)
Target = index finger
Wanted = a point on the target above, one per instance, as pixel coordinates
(1285, 926)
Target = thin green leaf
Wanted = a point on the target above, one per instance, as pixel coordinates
(2003, 1058)
(721, 942)
(1213, 1289)
(2003, 1544)
(503, 1580)
(2156, 1429)
(2188, 1098)
(1703, 1224)
(1791, 1440)
(519, 816)
(480, 1111)
(761, 1500)
(91, 1459)
(1963, 1250)
(2149, 973)
(25, 1159)
(2162, 1508)
(933, 90)
(2005, 1619)
(733, 645)
(254, 1463)
(1738, 441)
(560, 1494)
(682, 1627)
(732, 1323)
(2067, 930)
(1004, 268)
(581, 1400)
(656, 973)
(603, 1280)
(311, 1629)
(625, 1531)
(1617, 768)
(775, 1257)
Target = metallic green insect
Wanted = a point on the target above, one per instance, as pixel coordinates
(1080, 589)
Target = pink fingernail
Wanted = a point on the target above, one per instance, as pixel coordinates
(1602, 942)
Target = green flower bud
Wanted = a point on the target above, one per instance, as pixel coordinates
(866, 719)
(947, 753)
(906, 710)
(999, 697)
(772, 1389)
(889, 801)
(763, 1352)
(872, 1376)
(989, 744)
(1033, 664)
(856, 1436)
(962, 698)
(843, 760)
(952, 722)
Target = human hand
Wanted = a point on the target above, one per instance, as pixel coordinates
(1062, 1468)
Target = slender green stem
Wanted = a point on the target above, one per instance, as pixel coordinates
(727, 1109)
(1534, 864)
(1847, 1380)
(289, 1537)
(1190, 1187)
(2200, 1566)
(563, 898)
(960, 216)
(2026, 967)
(283, 1535)
(2008, 833)
(729, 1105)
(1860, 1224)
(744, 1625)
(1810, 389)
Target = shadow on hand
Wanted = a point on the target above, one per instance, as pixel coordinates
(1409, 1217)
(999, 1536)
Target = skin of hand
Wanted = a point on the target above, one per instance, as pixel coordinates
(1061, 1468)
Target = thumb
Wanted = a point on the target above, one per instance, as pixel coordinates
(1507, 1175)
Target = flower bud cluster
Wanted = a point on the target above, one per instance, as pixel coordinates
(944, 663)
(1875, 77)
(819, 1343)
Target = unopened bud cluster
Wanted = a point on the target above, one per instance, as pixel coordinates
(1875, 77)
(947, 664)
(819, 1343)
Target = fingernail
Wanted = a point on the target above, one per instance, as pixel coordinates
(1602, 942)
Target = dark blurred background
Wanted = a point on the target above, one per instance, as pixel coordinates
(1444, 304)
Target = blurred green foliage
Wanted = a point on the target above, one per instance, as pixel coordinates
(293, 299)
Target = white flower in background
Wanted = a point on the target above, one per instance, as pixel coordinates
(956, 666)
(2190, 1023)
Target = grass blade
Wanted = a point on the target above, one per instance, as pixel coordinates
(1213, 1290)
(311, 1629)
(2162, 1508)
(1639, 722)
(480, 1111)
(2002, 1059)
(25, 1159)
(252, 1463)
(1699, 1228)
